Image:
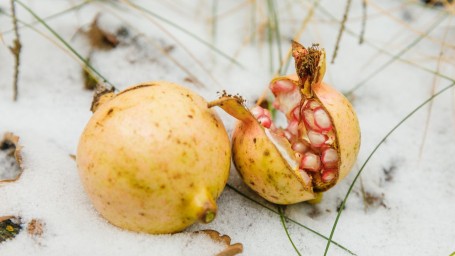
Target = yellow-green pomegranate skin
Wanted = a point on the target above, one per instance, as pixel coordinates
(154, 158)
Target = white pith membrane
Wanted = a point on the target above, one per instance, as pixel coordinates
(308, 141)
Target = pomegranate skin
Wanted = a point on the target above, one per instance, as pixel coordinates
(154, 158)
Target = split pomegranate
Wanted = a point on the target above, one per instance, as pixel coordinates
(154, 158)
(316, 149)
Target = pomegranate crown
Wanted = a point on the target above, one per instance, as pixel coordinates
(309, 64)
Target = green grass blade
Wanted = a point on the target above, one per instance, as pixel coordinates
(379, 49)
(371, 155)
(276, 30)
(55, 15)
(214, 20)
(200, 40)
(395, 57)
(289, 219)
(41, 21)
(307, 19)
(286, 229)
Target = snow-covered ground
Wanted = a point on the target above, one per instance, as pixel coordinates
(409, 208)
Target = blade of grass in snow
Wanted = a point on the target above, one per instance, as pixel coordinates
(55, 15)
(253, 21)
(55, 43)
(371, 155)
(214, 20)
(276, 25)
(185, 49)
(270, 34)
(369, 43)
(41, 21)
(15, 50)
(297, 36)
(433, 89)
(364, 20)
(283, 222)
(289, 219)
(200, 40)
(340, 32)
(161, 49)
(399, 54)
(387, 13)
(287, 60)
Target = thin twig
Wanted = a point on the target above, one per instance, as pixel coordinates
(364, 21)
(340, 32)
(16, 50)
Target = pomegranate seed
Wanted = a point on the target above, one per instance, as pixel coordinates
(293, 127)
(300, 147)
(281, 86)
(310, 162)
(288, 135)
(312, 104)
(330, 158)
(257, 111)
(317, 139)
(322, 119)
(328, 175)
(296, 113)
(265, 121)
(306, 178)
(267, 113)
(309, 120)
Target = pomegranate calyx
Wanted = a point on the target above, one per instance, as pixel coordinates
(310, 65)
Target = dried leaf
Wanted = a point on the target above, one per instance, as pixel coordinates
(99, 38)
(230, 250)
(35, 227)
(10, 226)
(10, 145)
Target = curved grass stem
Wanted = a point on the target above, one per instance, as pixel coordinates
(283, 222)
(63, 41)
(332, 232)
(289, 219)
(187, 32)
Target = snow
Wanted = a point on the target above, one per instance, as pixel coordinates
(412, 171)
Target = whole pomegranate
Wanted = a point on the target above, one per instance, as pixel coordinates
(316, 149)
(154, 158)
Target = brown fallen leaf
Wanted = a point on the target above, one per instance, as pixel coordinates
(35, 227)
(99, 38)
(10, 144)
(230, 250)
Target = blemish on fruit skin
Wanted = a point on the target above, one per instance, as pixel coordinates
(266, 152)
